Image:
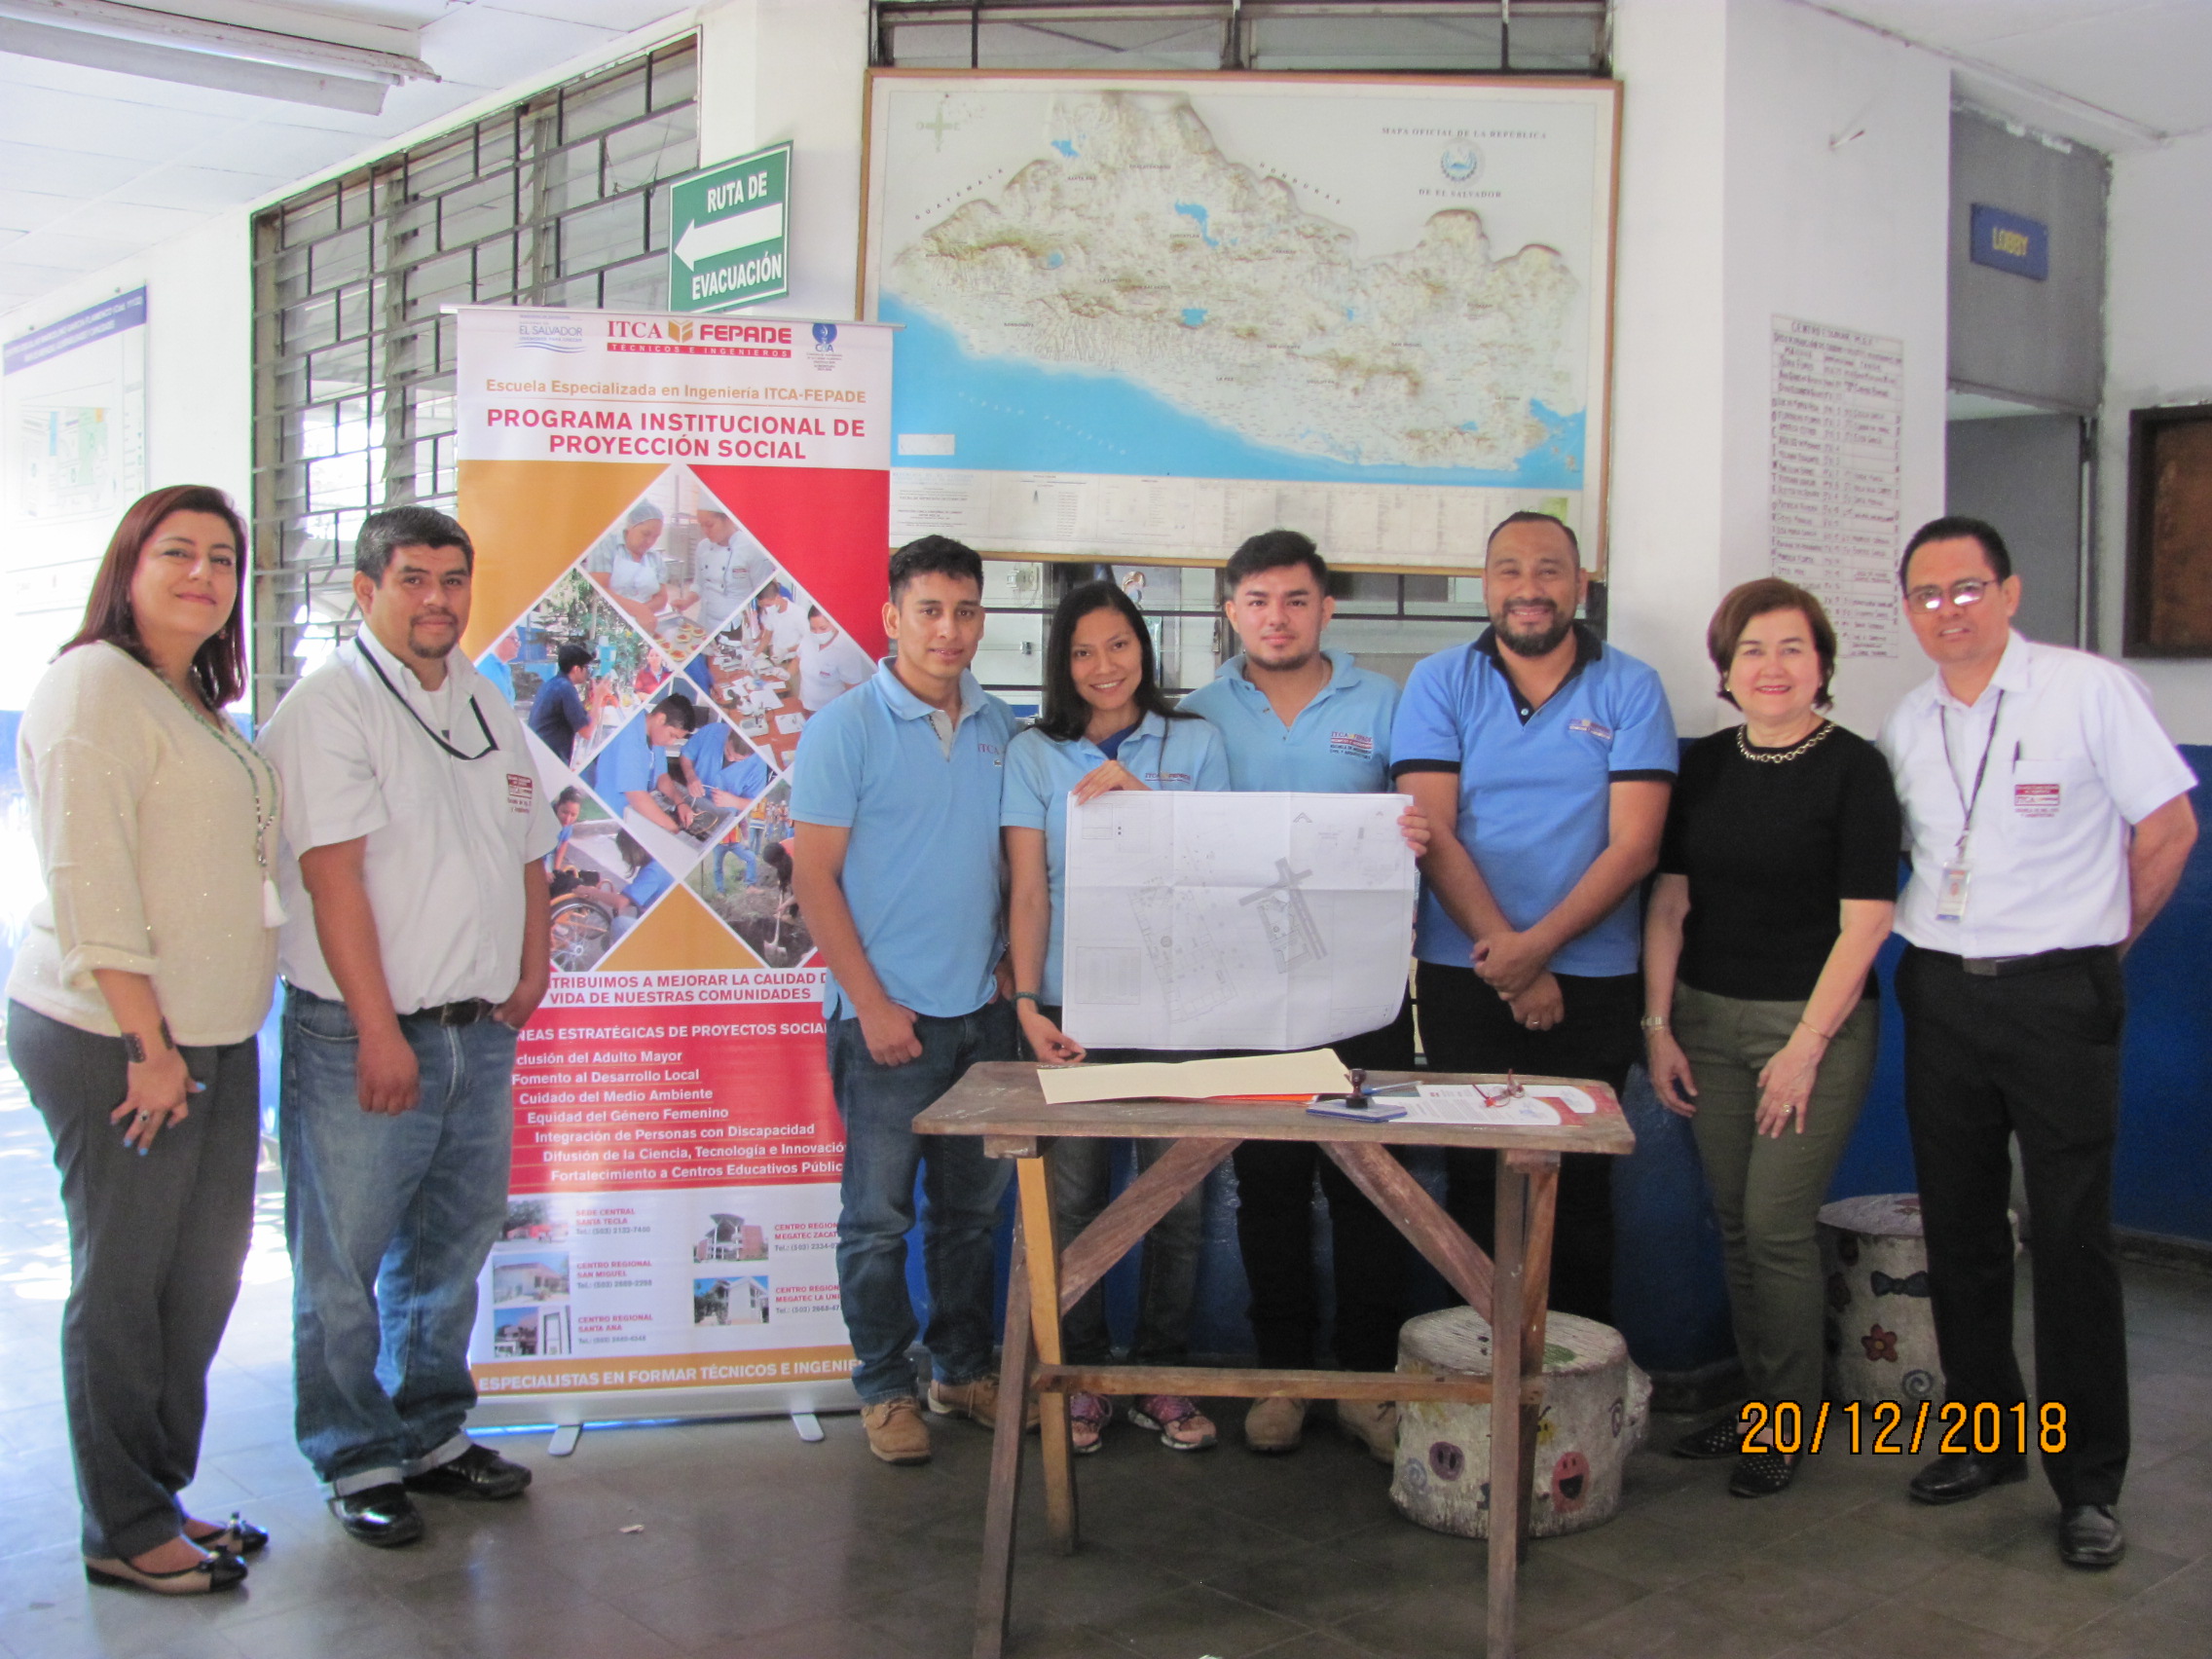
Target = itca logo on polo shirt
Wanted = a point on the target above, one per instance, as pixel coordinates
(992, 750)
(1591, 728)
(1353, 743)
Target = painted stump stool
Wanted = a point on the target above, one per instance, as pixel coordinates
(1596, 1406)
(1881, 1334)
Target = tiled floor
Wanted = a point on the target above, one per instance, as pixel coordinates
(735, 1539)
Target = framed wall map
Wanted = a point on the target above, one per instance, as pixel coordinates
(2169, 532)
(1147, 315)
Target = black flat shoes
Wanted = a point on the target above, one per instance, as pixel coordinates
(1762, 1474)
(1715, 1441)
(238, 1536)
(217, 1573)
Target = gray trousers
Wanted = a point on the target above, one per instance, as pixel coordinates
(1767, 1190)
(155, 1245)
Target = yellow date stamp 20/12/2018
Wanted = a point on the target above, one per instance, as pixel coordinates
(1985, 1428)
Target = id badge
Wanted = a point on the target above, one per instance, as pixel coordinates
(1951, 893)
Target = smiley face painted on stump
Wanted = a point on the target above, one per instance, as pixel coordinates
(1570, 1481)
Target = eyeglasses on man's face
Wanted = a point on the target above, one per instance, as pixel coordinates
(1961, 594)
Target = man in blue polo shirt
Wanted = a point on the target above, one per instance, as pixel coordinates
(1295, 717)
(631, 775)
(722, 770)
(1544, 758)
(897, 869)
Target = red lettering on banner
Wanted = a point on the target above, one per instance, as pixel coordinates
(730, 1094)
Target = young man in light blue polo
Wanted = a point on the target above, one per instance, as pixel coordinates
(897, 869)
(1295, 717)
(1543, 758)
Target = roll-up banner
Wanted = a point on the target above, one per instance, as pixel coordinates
(680, 528)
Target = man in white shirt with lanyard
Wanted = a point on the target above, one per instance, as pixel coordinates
(2047, 821)
(414, 830)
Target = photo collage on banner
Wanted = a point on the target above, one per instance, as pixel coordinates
(676, 599)
(680, 561)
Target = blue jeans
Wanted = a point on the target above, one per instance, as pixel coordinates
(726, 851)
(962, 1189)
(389, 1220)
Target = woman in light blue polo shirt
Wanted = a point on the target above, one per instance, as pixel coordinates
(1105, 727)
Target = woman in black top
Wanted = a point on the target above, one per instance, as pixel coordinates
(1778, 879)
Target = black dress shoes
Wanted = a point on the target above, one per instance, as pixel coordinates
(1961, 1475)
(2089, 1536)
(479, 1472)
(382, 1515)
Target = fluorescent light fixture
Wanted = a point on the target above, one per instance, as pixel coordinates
(164, 46)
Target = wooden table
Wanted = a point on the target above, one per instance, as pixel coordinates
(1002, 1102)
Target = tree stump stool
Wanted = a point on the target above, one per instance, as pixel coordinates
(1595, 1405)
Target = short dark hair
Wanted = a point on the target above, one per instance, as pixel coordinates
(1746, 604)
(218, 666)
(935, 555)
(1957, 527)
(1275, 550)
(383, 534)
(574, 657)
(570, 797)
(1065, 714)
(1553, 519)
(676, 706)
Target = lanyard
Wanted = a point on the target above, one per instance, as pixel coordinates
(489, 743)
(1968, 802)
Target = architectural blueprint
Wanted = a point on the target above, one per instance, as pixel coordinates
(1234, 921)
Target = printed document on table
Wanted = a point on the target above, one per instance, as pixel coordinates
(1234, 921)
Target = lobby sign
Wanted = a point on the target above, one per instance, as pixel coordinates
(686, 507)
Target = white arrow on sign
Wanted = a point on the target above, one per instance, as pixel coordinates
(727, 236)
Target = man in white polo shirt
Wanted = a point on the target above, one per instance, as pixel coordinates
(414, 830)
(2047, 818)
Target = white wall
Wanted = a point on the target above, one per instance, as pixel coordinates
(198, 393)
(2158, 351)
(1737, 205)
(793, 69)
(1666, 510)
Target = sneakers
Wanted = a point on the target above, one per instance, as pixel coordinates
(977, 1399)
(1274, 1424)
(896, 1431)
(1374, 1423)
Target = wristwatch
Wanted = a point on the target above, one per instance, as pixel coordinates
(1654, 1022)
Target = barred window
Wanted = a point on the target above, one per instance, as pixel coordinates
(561, 200)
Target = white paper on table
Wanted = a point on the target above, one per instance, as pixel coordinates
(1198, 920)
(1315, 1072)
(1466, 1103)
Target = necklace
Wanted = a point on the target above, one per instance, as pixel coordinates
(227, 738)
(1776, 756)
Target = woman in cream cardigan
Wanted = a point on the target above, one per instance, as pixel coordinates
(131, 1015)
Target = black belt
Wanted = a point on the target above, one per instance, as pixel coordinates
(466, 1012)
(2005, 967)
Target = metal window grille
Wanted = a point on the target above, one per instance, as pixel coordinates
(1389, 622)
(560, 200)
(1469, 37)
